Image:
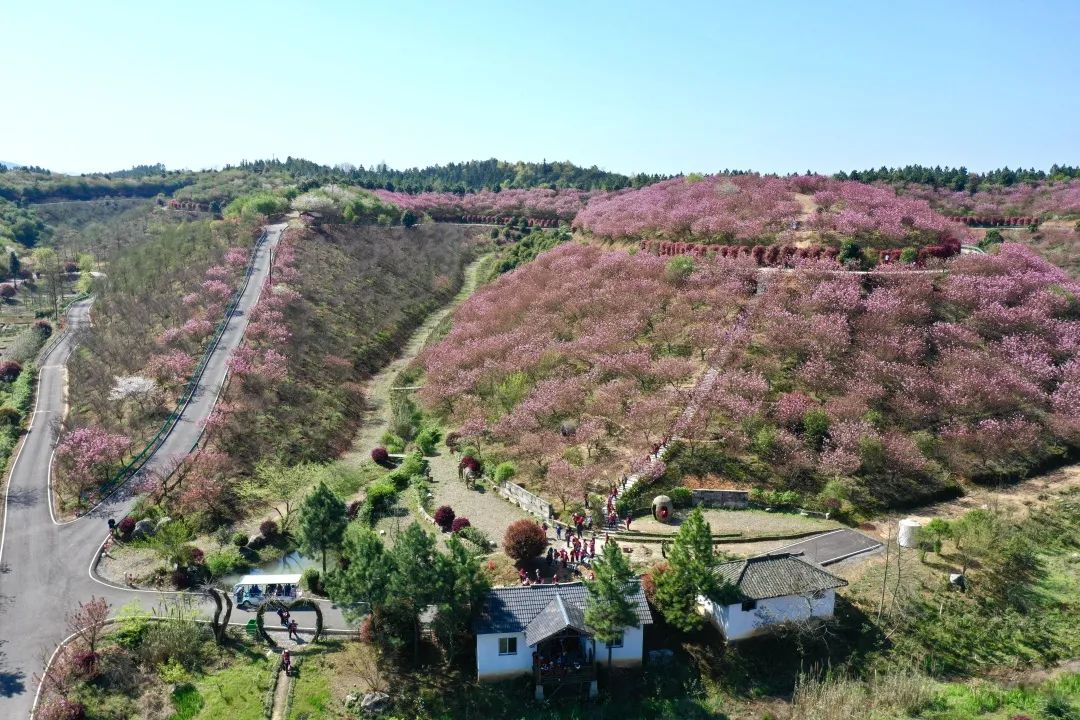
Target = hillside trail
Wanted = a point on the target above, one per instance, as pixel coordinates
(376, 418)
(281, 696)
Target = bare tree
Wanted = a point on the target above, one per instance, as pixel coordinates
(87, 622)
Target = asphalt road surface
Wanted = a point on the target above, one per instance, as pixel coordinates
(46, 567)
(831, 547)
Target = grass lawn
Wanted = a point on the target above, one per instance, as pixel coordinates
(327, 673)
(311, 691)
(236, 692)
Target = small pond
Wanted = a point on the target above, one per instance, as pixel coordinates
(292, 563)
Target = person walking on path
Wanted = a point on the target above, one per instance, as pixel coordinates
(286, 662)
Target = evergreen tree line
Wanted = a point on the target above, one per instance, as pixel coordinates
(470, 176)
(960, 179)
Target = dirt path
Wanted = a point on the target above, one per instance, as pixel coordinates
(281, 696)
(1016, 499)
(376, 419)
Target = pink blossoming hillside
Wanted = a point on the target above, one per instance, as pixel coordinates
(753, 208)
(878, 388)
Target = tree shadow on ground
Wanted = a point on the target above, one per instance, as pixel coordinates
(12, 682)
(24, 498)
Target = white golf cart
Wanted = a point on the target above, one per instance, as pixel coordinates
(254, 590)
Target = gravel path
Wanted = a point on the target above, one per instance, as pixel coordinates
(376, 418)
(748, 522)
(485, 509)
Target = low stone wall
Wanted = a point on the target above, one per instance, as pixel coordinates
(525, 500)
(731, 499)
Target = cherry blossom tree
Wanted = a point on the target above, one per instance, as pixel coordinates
(86, 458)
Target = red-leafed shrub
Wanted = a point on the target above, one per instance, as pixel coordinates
(471, 464)
(380, 455)
(648, 581)
(86, 662)
(9, 370)
(452, 440)
(459, 523)
(7, 291)
(126, 526)
(353, 509)
(196, 556)
(366, 632)
(43, 327)
(524, 540)
(181, 578)
(71, 267)
(444, 517)
(268, 529)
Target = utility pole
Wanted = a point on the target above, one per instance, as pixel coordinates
(884, 580)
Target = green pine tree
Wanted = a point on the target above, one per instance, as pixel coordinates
(691, 573)
(422, 577)
(362, 586)
(467, 588)
(610, 609)
(323, 519)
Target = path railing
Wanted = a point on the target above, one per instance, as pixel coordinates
(58, 334)
(134, 465)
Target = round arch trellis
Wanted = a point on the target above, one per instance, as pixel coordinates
(274, 604)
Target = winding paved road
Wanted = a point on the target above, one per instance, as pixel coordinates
(46, 567)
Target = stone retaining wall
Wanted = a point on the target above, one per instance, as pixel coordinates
(525, 500)
(731, 499)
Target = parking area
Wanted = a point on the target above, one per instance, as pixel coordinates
(831, 547)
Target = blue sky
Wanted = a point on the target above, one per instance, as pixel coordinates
(628, 86)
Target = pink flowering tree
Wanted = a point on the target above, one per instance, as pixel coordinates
(86, 458)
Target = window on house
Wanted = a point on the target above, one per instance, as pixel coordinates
(508, 646)
(617, 642)
(749, 605)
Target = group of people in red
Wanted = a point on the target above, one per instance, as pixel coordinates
(612, 514)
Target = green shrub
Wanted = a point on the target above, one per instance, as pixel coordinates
(505, 471)
(239, 539)
(679, 268)
(226, 561)
(413, 464)
(381, 494)
(909, 255)
(776, 498)
(428, 440)
(311, 580)
(681, 497)
(815, 426)
(393, 442)
(477, 537)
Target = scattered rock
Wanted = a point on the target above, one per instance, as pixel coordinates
(163, 522)
(374, 702)
(351, 699)
(142, 529)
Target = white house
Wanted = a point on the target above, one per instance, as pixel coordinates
(772, 589)
(540, 630)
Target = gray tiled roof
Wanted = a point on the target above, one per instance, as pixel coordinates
(514, 609)
(773, 576)
(555, 617)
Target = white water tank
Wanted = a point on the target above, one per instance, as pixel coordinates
(909, 532)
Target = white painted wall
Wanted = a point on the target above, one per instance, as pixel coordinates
(629, 654)
(490, 665)
(738, 624)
